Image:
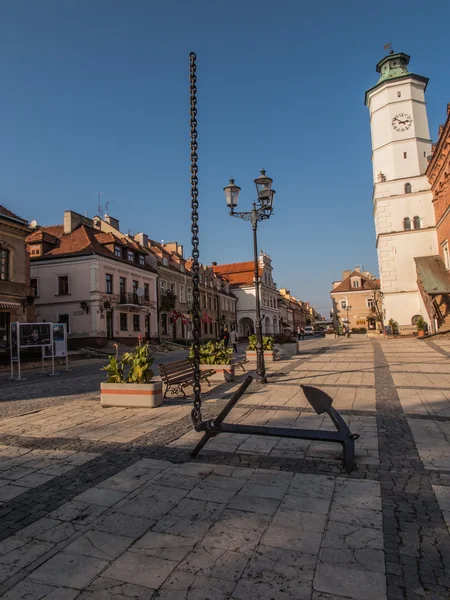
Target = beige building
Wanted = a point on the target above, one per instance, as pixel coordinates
(16, 296)
(355, 300)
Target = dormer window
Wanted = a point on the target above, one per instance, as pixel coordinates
(141, 260)
(130, 256)
(355, 283)
(117, 251)
(165, 262)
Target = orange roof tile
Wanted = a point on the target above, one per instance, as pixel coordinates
(366, 284)
(237, 273)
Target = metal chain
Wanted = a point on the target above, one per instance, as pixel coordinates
(196, 413)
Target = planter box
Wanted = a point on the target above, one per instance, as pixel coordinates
(287, 350)
(222, 372)
(269, 355)
(131, 395)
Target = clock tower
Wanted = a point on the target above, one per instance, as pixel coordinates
(402, 197)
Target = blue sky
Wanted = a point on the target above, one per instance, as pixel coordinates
(94, 97)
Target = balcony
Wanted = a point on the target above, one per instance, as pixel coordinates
(133, 300)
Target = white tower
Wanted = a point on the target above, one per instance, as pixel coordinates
(402, 198)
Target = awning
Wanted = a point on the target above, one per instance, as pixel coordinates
(433, 275)
(9, 304)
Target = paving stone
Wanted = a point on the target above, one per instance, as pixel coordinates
(229, 538)
(301, 522)
(184, 586)
(100, 544)
(100, 496)
(140, 569)
(29, 590)
(111, 589)
(267, 586)
(171, 547)
(263, 506)
(26, 554)
(283, 562)
(289, 539)
(64, 567)
(120, 524)
(306, 504)
(213, 494)
(215, 562)
(351, 583)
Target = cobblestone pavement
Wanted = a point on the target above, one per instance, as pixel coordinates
(106, 504)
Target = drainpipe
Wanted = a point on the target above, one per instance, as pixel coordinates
(157, 309)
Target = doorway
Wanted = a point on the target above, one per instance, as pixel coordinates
(147, 327)
(109, 325)
(4, 329)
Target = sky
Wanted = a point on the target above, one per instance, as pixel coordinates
(95, 98)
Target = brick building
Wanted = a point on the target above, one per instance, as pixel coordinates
(16, 296)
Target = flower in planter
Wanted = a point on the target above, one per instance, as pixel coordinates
(213, 353)
(268, 342)
(139, 364)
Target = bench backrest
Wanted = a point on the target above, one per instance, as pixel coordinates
(179, 368)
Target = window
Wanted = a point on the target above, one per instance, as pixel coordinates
(215, 303)
(408, 188)
(165, 262)
(181, 293)
(35, 250)
(344, 304)
(65, 319)
(405, 155)
(189, 294)
(370, 303)
(416, 222)
(122, 286)
(136, 323)
(146, 291)
(210, 327)
(209, 303)
(204, 300)
(63, 285)
(399, 94)
(117, 251)
(355, 283)
(141, 260)
(109, 283)
(206, 328)
(135, 287)
(123, 322)
(446, 254)
(173, 288)
(407, 224)
(130, 256)
(34, 286)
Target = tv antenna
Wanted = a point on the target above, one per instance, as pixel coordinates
(99, 205)
(106, 206)
(388, 48)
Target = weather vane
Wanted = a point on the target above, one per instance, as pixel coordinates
(388, 47)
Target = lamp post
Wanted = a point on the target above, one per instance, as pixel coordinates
(262, 209)
(348, 322)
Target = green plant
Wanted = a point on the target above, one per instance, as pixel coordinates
(420, 324)
(394, 326)
(213, 353)
(139, 364)
(267, 340)
(359, 330)
(284, 338)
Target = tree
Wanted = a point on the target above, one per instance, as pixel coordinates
(377, 305)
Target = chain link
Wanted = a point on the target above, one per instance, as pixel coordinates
(196, 413)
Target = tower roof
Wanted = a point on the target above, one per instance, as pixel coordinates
(394, 67)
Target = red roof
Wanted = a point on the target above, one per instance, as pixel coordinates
(237, 273)
(5, 212)
(81, 241)
(366, 284)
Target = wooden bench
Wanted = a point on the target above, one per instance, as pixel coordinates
(240, 363)
(180, 374)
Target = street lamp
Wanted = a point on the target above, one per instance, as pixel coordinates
(262, 209)
(348, 322)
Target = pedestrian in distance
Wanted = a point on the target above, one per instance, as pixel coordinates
(336, 332)
(226, 337)
(299, 333)
(234, 339)
(302, 333)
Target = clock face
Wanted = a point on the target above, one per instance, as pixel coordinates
(401, 122)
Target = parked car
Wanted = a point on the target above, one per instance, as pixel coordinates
(309, 330)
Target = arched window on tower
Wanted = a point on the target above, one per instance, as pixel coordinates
(416, 222)
(408, 188)
(407, 224)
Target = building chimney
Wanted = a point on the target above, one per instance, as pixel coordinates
(142, 239)
(214, 264)
(72, 220)
(112, 221)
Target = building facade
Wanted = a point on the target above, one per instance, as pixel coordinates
(240, 277)
(438, 173)
(402, 197)
(16, 295)
(99, 282)
(355, 299)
